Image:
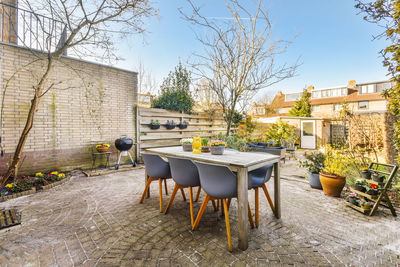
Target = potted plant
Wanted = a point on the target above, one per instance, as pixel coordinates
(204, 145)
(314, 164)
(187, 144)
(365, 173)
(170, 125)
(183, 125)
(102, 148)
(154, 124)
(360, 185)
(373, 189)
(353, 198)
(332, 176)
(365, 205)
(217, 147)
(377, 177)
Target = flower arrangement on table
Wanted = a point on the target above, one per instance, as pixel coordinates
(217, 147)
(187, 144)
(102, 147)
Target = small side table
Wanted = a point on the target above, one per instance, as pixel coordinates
(100, 154)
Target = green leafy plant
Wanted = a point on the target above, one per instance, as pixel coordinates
(204, 141)
(278, 131)
(171, 123)
(302, 107)
(156, 122)
(314, 162)
(335, 162)
(175, 91)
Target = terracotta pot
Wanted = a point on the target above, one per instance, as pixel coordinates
(332, 184)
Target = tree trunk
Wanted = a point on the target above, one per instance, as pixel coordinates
(13, 168)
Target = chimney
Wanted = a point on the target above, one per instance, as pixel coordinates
(352, 84)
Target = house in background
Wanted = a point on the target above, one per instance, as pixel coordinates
(320, 128)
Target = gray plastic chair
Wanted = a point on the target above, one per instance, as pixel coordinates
(219, 183)
(258, 179)
(185, 174)
(156, 169)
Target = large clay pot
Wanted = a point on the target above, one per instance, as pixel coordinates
(314, 181)
(332, 184)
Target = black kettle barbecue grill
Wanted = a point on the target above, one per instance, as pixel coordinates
(123, 144)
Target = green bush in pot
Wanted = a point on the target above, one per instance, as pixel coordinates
(314, 164)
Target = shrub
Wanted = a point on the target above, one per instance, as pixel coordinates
(335, 162)
(280, 130)
(314, 162)
(175, 92)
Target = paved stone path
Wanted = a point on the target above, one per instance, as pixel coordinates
(93, 221)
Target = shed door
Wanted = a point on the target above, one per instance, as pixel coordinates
(308, 138)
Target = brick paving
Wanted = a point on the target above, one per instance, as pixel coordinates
(98, 221)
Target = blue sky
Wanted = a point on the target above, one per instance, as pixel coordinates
(334, 43)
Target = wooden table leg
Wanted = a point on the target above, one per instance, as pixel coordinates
(146, 178)
(243, 225)
(277, 191)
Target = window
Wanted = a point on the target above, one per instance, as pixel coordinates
(293, 97)
(308, 129)
(315, 108)
(383, 86)
(363, 105)
(334, 92)
(368, 89)
(337, 107)
(260, 111)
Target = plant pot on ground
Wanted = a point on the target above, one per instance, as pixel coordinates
(331, 177)
(314, 164)
(154, 124)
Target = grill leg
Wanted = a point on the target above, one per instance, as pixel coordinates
(119, 159)
(133, 162)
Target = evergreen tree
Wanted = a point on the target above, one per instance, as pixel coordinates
(302, 107)
(175, 91)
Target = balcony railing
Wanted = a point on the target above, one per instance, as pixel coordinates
(29, 29)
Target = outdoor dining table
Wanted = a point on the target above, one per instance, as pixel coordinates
(242, 163)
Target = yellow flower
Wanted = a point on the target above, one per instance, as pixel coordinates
(54, 173)
(9, 185)
(61, 175)
(38, 174)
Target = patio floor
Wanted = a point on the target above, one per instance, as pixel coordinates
(99, 221)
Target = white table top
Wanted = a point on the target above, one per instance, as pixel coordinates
(230, 157)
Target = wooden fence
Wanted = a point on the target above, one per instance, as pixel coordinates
(259, 131)
(200, 124)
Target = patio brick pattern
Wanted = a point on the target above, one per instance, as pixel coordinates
(98, 221)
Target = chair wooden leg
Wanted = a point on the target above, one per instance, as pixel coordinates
(160, 187)
(250, 215)
(146, 189)
(191, 206)
(228, 228)
(256, 207)
(268, 197)
(171, 199)
(215, 205)
(183, 194)
(198, 193)
(201, 211)
(166, 188)
(222, 207)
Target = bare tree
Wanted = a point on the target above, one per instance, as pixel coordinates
(146, 81)
(90, 28)
(239, 55)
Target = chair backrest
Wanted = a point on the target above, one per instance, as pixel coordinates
(217, 180)
(155, 166)
(184, 172)
(288, 143)
(265, 172)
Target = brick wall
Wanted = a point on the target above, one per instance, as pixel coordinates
(89, 102)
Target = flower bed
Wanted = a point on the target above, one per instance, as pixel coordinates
(28, 185)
